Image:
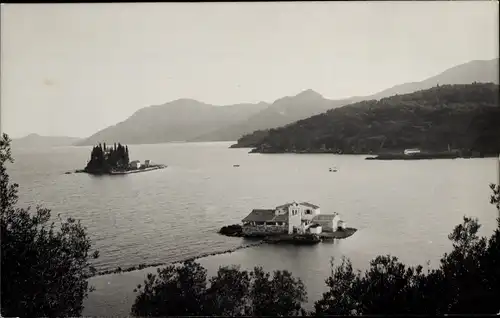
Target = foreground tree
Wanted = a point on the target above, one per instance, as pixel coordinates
(495, 197)
(182, 290)
(44, 270)
(467, 280)
(174, 291)
(281, 295)
(229, 293)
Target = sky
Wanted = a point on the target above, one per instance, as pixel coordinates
(73, 69)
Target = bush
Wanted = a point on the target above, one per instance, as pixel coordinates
(182, 290)
(466, 282)
(44, 270)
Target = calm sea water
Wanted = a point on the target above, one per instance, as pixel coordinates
(403, 208)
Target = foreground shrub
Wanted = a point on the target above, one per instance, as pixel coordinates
(44, 270)
(183, 290)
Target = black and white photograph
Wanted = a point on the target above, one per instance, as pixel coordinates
(302, 158)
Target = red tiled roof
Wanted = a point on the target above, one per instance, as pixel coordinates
(259, 215)
(286, 205)
(324, 217)
(265, 215)
(310, 205)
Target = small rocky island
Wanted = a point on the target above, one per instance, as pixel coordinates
(294, 223)
(115, 160)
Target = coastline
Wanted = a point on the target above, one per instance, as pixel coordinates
(114, 173)
(371, 156)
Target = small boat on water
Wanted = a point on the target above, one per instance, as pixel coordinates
(333, 170)
(236, 166)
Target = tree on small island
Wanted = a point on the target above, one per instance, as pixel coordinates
(105, 160)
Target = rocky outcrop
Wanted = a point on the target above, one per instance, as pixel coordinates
(235, 230)
(263, 230)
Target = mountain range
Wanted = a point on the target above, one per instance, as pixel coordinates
(179, 120)
(191, 120)
(37, 141)
(464, 117)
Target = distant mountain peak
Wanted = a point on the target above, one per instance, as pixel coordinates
(309, 93)
(306, 95)
(185, 100)
(34, 140)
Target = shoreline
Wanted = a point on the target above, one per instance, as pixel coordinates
(235, 230)
(115, 173)
(425, 156)
(119, 270)
(370, 156)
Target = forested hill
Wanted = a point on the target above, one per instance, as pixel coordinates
(465, 117)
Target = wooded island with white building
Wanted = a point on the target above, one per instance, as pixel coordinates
(114, 160)
(291, 221)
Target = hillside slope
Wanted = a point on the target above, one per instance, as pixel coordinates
(465, 117)
(290, 109)
(283, 111)
(483, 71)
(37, 141)
(179, 120)
(190, 120)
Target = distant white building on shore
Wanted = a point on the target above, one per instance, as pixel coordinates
(411, 151)
(136, 164)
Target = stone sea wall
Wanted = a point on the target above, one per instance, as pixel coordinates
(263, 229)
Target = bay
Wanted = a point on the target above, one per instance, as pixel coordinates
(402, 208)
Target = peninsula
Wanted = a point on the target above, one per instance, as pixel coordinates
(115, 161)
(446, 121)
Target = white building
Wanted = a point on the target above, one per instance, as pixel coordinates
(412, 151)
(315, 229)
(289, 218)
(341, 225)
(136, 164)
(328, 222)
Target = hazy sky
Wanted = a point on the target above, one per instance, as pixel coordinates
(72, 69)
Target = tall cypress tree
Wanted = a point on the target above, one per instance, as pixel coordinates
(127, 158)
